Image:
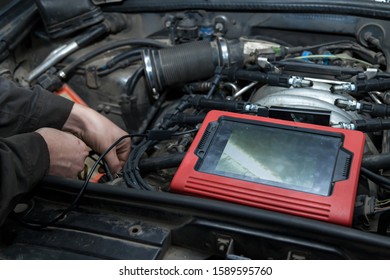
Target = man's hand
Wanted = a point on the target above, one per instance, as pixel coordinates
(99, 133)
(67, 152)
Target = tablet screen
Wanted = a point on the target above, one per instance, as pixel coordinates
(273, 155)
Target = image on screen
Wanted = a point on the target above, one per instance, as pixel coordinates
(280, 157)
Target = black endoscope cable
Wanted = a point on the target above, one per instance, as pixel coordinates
(39, 226)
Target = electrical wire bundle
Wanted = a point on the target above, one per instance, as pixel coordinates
(382, 205)
(164, 131)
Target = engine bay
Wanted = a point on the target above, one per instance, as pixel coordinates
(158, 72)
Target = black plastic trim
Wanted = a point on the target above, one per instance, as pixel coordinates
(358, 243)
(358, 8)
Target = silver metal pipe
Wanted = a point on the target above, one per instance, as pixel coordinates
(243, 90)
(54, 57)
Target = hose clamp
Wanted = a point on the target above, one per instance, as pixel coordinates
(223, 51)
(150, 76)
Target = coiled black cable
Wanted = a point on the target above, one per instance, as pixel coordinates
(132, 175)
(39, 225)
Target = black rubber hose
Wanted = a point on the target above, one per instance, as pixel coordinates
(376, 162)
(92, 34)
(181, 64)
(124, 55)
(66, 71)
(163, 162)
(121, 65)
(372, 125)
(15, 24)
(376, 178)
(132, 82)
(14, 43)
(384, 223)
(365, 86)
(272, 79)
(357, 8)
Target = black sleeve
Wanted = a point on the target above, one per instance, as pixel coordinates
(24, 160)
(24, 156)
(23, 110)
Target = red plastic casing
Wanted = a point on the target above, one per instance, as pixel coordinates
(67, 92)
(337, 208)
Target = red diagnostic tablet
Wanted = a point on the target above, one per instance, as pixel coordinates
(296, 168)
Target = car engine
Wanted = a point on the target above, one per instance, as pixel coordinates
(158, 70)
